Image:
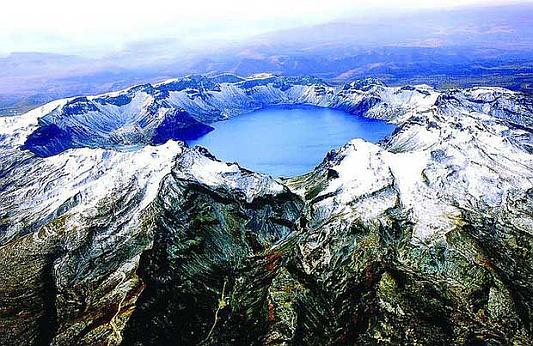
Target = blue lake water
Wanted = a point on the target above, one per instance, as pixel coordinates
(287, 140)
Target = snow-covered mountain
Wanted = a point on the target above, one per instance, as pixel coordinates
(112, 231)
(181, 109)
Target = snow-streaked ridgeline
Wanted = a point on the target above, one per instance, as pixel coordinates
(89, 186)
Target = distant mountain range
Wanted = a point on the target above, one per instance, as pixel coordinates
(465, 47)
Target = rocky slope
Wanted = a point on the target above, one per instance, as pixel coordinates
(108, 236)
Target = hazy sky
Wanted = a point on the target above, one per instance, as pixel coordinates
(97, 26)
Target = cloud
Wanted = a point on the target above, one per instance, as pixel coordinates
(103, 25)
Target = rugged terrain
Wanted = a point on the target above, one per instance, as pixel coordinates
(112, 231)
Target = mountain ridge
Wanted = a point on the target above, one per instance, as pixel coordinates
(423, 238)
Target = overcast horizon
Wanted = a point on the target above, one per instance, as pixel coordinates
(102, 28)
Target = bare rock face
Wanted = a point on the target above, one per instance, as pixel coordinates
(83, 272)
(419, 238)
(69, 273)
(212, 261)
(423, 239)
